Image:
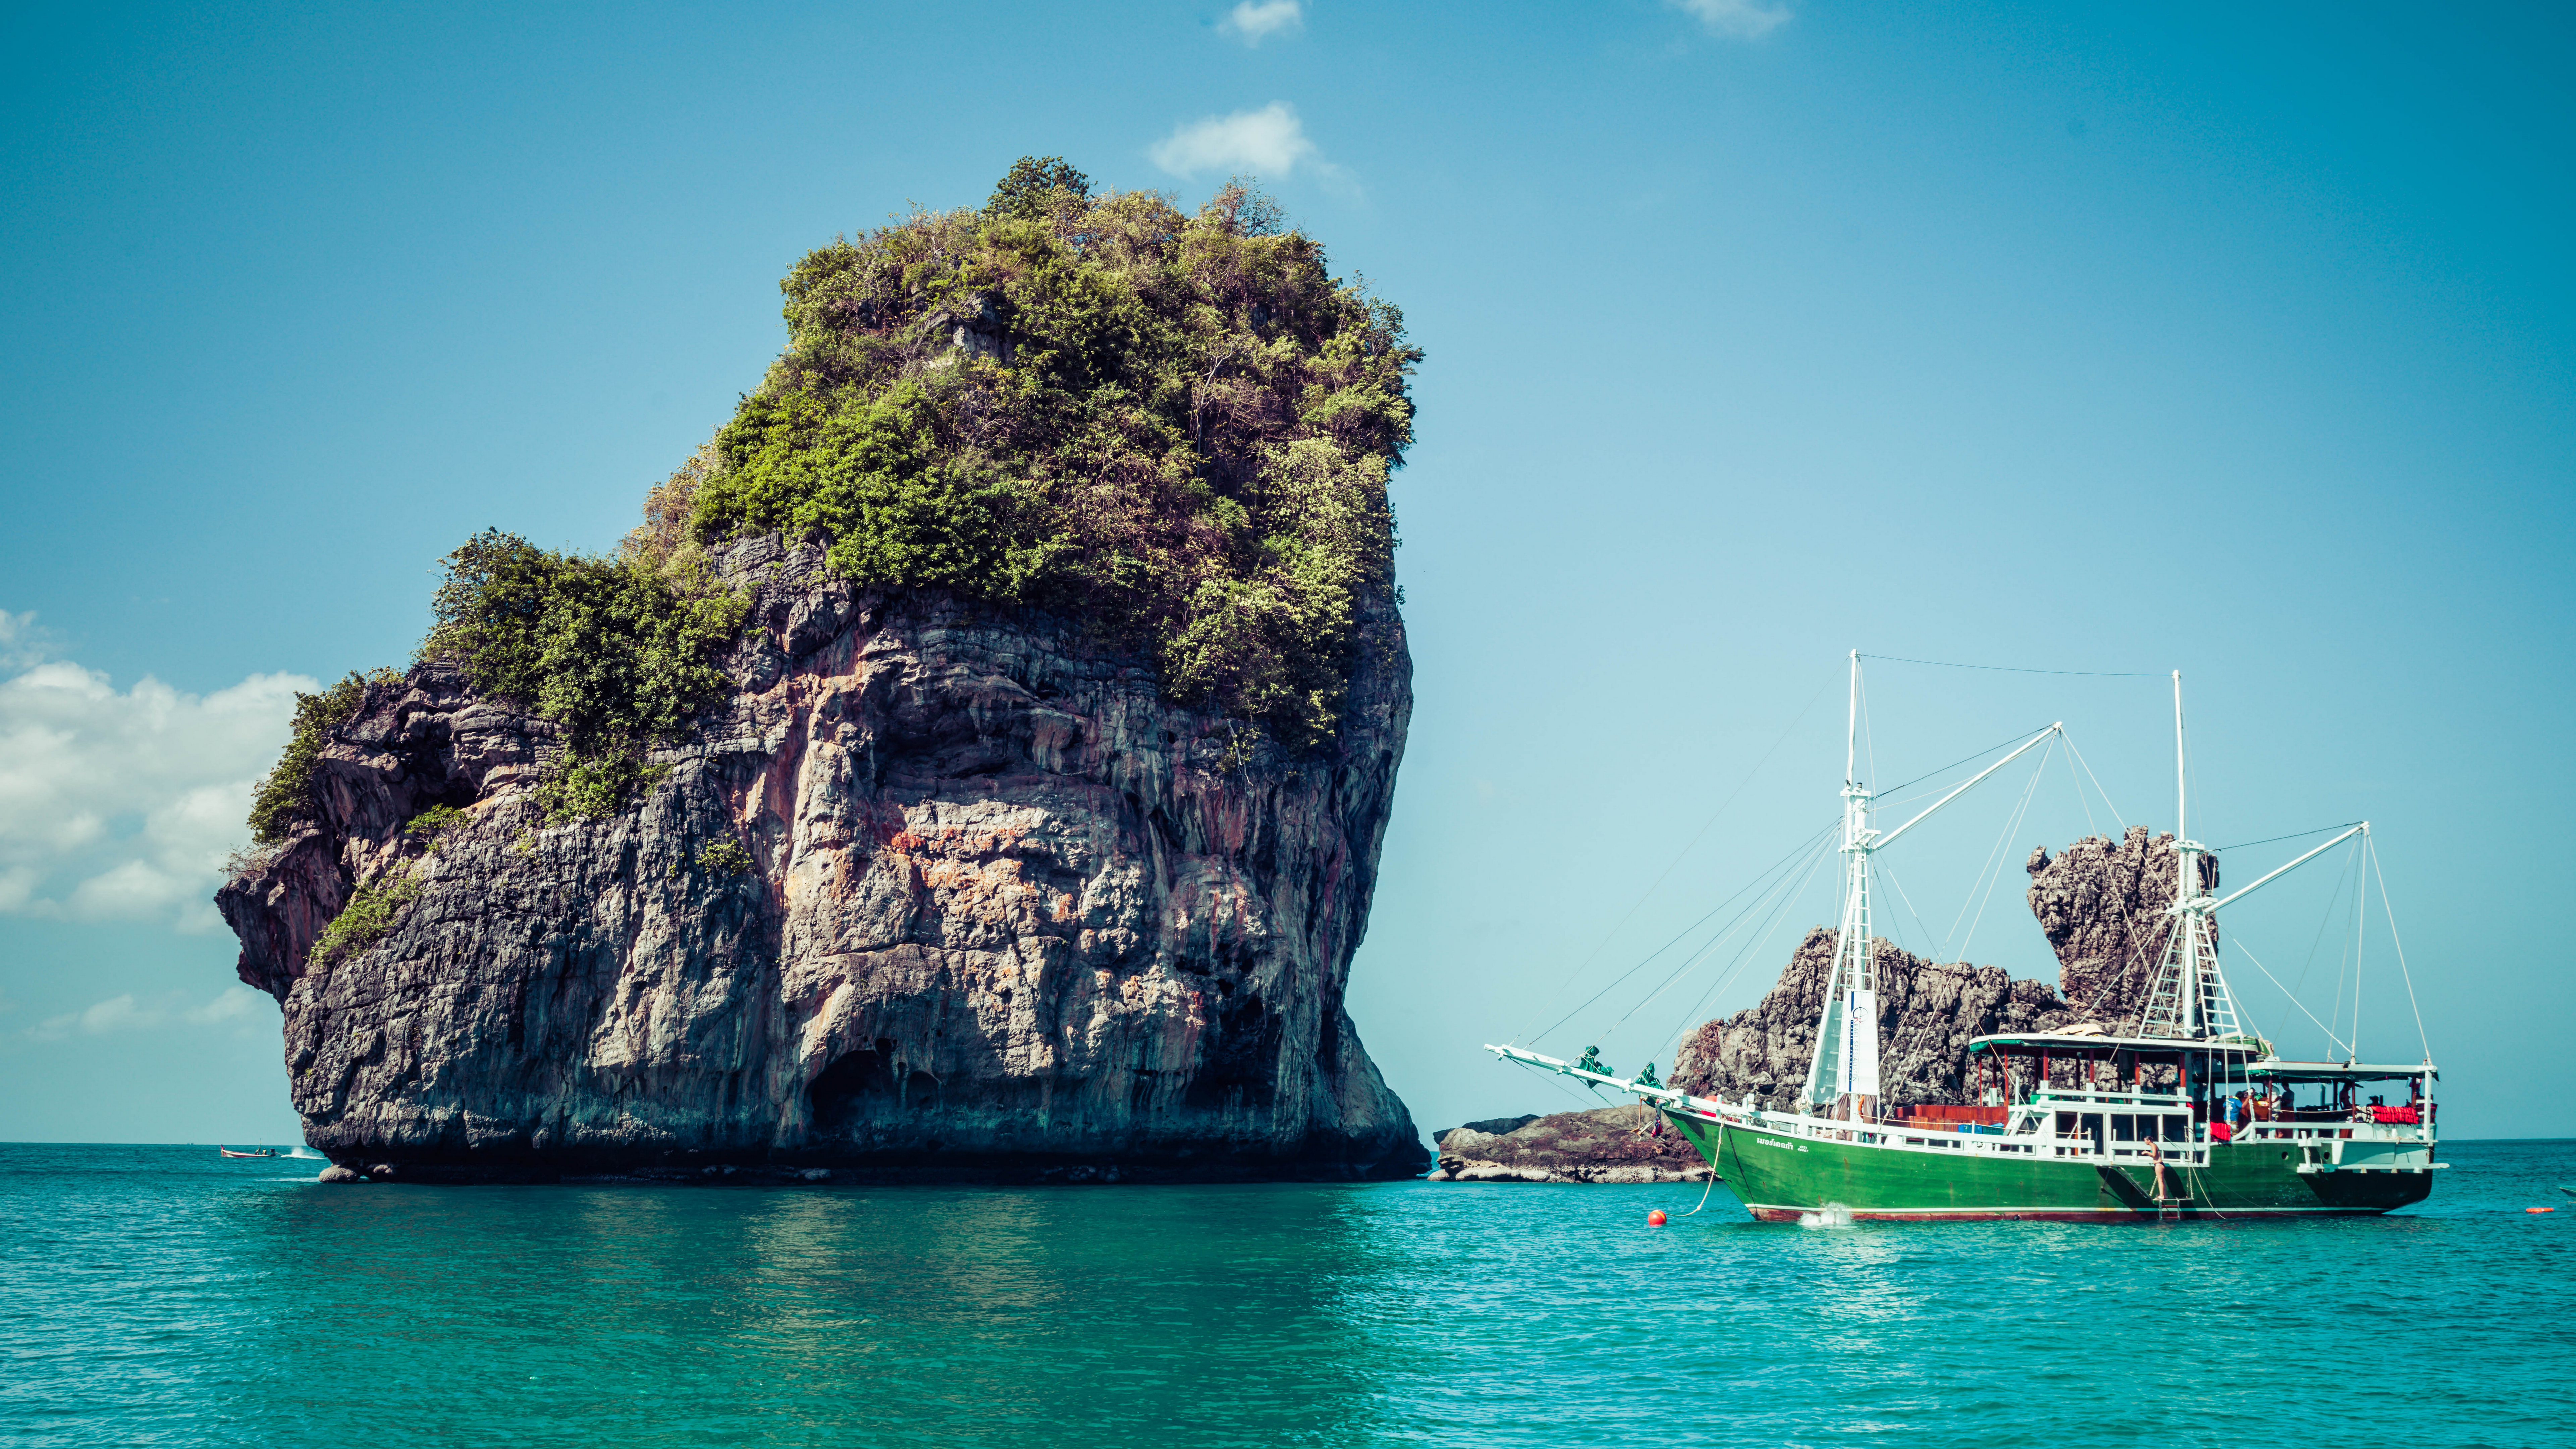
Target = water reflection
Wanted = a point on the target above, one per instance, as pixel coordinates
(947, 1314)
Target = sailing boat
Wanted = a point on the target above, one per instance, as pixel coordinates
(2075, 1125)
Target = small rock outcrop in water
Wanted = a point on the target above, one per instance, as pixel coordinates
(1606, 1144)
(2100, 903)
(1007, 913)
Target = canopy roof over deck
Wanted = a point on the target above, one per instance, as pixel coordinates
(2085, 1041)
(2272, 1069)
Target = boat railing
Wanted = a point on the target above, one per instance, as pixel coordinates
(2170, 1101)
(2342, 1131)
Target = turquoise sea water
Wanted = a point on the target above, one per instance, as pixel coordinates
(162, 1295)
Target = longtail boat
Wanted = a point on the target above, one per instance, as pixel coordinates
(254, 1152)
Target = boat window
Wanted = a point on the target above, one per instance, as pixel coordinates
(2124, 1128)
(2065, 1124)
(2093, 1129)
(2177, 1129)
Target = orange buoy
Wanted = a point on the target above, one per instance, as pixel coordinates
(2540, 1210)
(1655, 1219)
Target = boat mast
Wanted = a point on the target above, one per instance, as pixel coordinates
(2189, 999)
(1842, 1077)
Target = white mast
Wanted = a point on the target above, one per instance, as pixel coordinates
(2182, 798)
(1842, 1075)
(1845, 1063)
(2189, 998)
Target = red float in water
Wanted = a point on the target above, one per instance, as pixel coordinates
(2528, 1210)
(1655, 1219)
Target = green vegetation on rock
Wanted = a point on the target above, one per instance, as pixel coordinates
(724, 857)
(618, 650)
(595, 789)
(366, 918)
(286, 791)
(1176, 428)
(430, 824)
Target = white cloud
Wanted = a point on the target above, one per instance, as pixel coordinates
(1270, 143)
(233, 1004)
(1743, 19)
(21, 642)
(121, 804)
(124, 1012)
(1258, 20)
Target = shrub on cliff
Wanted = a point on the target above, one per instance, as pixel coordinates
(366, 918)
(620, 650)
(1177, 428)
(426, 828)
(286, 791)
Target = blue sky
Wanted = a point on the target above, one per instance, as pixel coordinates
(2227, 339)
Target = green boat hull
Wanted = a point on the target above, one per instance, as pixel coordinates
(1780, 1177)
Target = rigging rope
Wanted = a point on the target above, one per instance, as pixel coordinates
(1869, 740)
(2331, 1038)
(2242, 844)
(2333, 902)
(1919, 922)
(1878, 798)
(2097, 782)
(2008, 669)
(2012, 826)
(2360, 923)
(2071, 778)
(1678, 856)
(2403, 973)
(2343, 961)
(1783, 861)
(1693, 958)
(1744, 953)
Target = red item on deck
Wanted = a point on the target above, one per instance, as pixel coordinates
(1929, 1112)
(2221, 1132)
(2401, 1115)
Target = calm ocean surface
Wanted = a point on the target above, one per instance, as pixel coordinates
(161, 1295)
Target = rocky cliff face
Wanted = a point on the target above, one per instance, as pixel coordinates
(2100, 903)
(1007, 914)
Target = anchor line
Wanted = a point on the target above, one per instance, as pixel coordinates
(1705, 1191)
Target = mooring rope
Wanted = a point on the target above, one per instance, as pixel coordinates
(1704, 1192)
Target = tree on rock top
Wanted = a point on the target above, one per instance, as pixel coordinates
(1177, 428)
(1028, 190)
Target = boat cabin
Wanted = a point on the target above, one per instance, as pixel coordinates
(2084, 1094)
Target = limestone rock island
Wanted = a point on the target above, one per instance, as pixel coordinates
(975, 768)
